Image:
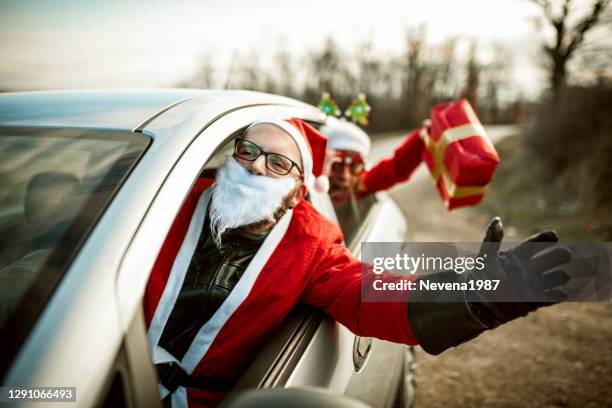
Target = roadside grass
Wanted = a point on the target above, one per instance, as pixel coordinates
(530, 199)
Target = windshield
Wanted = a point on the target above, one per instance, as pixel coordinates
(54, 185)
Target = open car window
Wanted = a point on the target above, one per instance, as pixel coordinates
(221, 155)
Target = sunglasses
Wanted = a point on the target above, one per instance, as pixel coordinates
(355, 164)
(275, 162)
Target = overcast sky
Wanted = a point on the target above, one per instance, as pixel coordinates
(92, 44)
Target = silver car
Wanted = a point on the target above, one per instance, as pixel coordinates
(91, 183)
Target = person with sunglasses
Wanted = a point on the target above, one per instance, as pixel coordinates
(348, 151)
(246, 247)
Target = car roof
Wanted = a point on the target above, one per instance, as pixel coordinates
(108, 109)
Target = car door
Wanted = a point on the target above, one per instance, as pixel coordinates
(380, 376)
(364, 368)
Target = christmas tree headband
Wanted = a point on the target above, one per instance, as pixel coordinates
(357, 112)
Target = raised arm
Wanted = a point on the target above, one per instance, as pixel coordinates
(395, 169)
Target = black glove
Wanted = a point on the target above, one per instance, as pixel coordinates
(527, 273)
(528, 278)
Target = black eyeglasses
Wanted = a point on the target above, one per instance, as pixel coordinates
(275, 162)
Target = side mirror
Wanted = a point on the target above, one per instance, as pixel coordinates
(291, 397)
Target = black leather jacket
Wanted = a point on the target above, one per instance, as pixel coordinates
(212, 274)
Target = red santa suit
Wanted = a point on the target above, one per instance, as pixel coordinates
(302, 260)
(395, 169)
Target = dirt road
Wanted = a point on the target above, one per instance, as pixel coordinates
(560, 356)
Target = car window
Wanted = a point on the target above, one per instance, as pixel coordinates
(223, 152)
(352, 214)
(55, 185)
(351, 210)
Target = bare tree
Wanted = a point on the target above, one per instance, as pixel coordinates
(328, 72)
(470, 92)
(370, 70)
(412, 101)
(251, 74)
(230, 79)
(593, 64)
(568, 37)
(445, 89)
(391, 77)
(205, 76)
(285, 83)
(401, 88)
(497, 89)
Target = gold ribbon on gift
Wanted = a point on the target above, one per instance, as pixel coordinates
(438, 151)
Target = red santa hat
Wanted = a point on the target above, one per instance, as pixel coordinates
(312, 145)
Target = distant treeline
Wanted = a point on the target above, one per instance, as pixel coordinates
(401, 89)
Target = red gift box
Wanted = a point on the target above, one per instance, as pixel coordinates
(460, 156)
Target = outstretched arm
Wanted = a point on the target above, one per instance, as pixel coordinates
(528, 280)
(335, 286)
(530, 275)
(395, 169)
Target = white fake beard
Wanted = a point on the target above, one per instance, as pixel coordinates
(240, 198)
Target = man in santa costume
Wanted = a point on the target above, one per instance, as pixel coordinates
(348, 151)
(247, 247)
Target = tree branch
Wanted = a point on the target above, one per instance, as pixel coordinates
(587, 23)
(546, 7)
